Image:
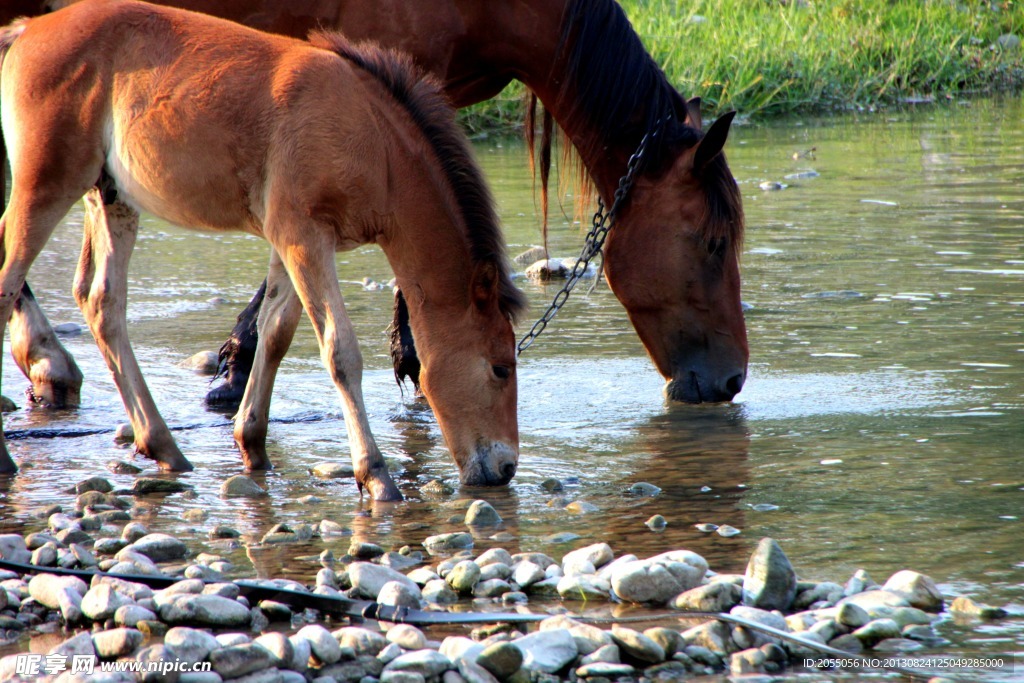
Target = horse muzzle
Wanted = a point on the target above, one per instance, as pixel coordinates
(490, 464)
(692, 387)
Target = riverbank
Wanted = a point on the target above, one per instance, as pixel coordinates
(773, 58)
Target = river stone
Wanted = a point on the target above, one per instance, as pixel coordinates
(238, 660)
(491, 588)
(364, 551)
(368, 580)
(918, 589)
(474, 673)
(116, 642)
(598, 555)
(59, 592)
(160, 547)
(464, 576)
(241, 486)
(190, 644)
(501, 659)
(606, 653)
(588, 638)
(13, 548)
(605, 670)
(147, 485)
(332, 470)
(750, 661)
(770, 581)
(876, 631)
(406, 636)
(495, 570)
(45, 556)
(323, 644)
(482, 513)
(102, 601)
(964, 605)
(547, 651)
(649, 581)
(444, 542)
(714, 636)
(402, 677)
(427, 663)
(580, 587)
(669, 639)
(637, 645)
(644, 489)
(851, 615)
(423, 575)
(718, 596)
(527, 573)
(139, 563)
(877, 603)
(362, 641)
(458, 648)
(395, 594)
(439, 592)
(747, 638)
(494, 556)
(204, 610)
(131, 614)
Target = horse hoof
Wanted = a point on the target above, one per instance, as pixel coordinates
(383, 489)
(179, 464)
(227, 396)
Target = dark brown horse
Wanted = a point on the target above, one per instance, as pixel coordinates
(317, 148)
(672, 258)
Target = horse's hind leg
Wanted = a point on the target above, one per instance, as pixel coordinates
(312, 270)
(101, 285)
(278, 318)
(56, 379)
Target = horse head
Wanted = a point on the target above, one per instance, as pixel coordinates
(681, 229)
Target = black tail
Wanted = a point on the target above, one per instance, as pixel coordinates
(403, 348)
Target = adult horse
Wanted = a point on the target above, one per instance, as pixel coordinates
(672, 257)
(317, 148)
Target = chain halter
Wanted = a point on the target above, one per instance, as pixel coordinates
(600, 227)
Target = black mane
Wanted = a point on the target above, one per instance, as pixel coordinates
(610, 83)
(421, 95)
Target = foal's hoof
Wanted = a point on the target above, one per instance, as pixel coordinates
(382, 488)
(225, 397)
(175, 464)
(55, 385)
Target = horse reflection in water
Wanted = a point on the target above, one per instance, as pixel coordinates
(672, 259)
(317, 148)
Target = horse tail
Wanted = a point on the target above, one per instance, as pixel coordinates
(547, 134)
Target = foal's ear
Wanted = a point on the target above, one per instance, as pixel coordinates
(485, 283)
(693, 112)
(713, 141)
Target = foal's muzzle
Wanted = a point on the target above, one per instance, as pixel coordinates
(491, 464)
(692, 387)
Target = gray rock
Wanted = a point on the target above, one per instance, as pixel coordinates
(875, 602)
(332, 470)
(361, 640)
(1008, 42)
(241, 486)
(501, 659)
(117, 642)
(474, 673)
(204, 610)
(238, 660)
(423, 575)
(160, 547)
(398, 594)
(876, 631)
(644, 489)
(669, 639)
(301, 652)
(402, 677)
(527, 573)
(718, 596)
(919, 590)
(154, 654)
(439, 592)
(851, 616)
(368, 579)
(280, 646)
(770, 581)
(637, 645)
(748, 638)
(76, 645)
(45, 556)
(458, 648)
(491, 588)
(547, 651)
(495, 570)
(190, 644)
(597, 555)
(13, 548)
(130, 589)
(102, 601)
(529, 256)
(424, 662)
(964, 605)
(608, 654)
(445, 542)
(494, 556)
(606, 670)
(406, 636)
(59, 592)
(464, 576)
(650, 581)
(749, 661)
(588, 638)
(482, 513)
(580, 587)
(323, 644)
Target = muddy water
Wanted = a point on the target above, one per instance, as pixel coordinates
(881, 427)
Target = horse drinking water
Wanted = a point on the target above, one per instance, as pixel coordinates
(317, 148)
(672, 257)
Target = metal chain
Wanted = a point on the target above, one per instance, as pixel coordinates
(600, 227)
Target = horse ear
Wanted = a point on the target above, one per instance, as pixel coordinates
(713, 142)
(693, 112)
(485, 283)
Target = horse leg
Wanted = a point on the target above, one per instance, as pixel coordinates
(313, 273)
(101, 287)
(278, 317)
(236, 356)
(56, 379)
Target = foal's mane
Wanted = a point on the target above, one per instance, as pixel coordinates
(611, 84)
(422, 97)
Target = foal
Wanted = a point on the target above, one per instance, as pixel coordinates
(317, 148)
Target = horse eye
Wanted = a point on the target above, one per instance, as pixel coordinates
(501, 371)
(716, 245)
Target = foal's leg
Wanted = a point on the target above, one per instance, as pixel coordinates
(56, 379)
(101, 287)
(278, 318)
(312, 270)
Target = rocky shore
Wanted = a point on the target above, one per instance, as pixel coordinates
(212, 633)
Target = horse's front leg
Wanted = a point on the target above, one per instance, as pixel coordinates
(278, 318)
(56, 379)
(101, 287)
(311, 267)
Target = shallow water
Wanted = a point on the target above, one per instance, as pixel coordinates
(883, 414)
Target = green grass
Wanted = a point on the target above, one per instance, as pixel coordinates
(765, 58)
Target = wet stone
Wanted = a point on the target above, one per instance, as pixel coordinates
(439, 592)
(552, 485)
(424, 662)
(501, 659)
(364, 551)
(918, 589)
(146, 485)
(205, 610)
(444, 542)
(191, 645)
(964, 605)
(770, 581)
(238, 660)
(718, 596)
(332, 470)
(160, 547)
(368, 579)
(482, 513)
(101, 602)
(644, 489)
(131, 615)
(116, 642)
(396, 594)
(241, 486)
(656, 523)
(322, 643)
(547, 651)
(362, 641)
(637, 646)
(464, 576)
(98, 484)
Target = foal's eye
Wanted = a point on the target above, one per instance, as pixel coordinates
(501, 371)
(716, 245)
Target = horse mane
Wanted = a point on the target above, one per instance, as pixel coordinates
(422, 97)
(610, 83)
(10, 33)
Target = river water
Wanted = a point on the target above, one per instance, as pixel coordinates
(882, 425)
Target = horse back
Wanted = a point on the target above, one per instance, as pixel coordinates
(191, 116)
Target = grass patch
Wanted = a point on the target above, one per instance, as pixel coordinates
(768, 58)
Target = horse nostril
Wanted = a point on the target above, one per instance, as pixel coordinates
(508, 470)
(734, 384)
